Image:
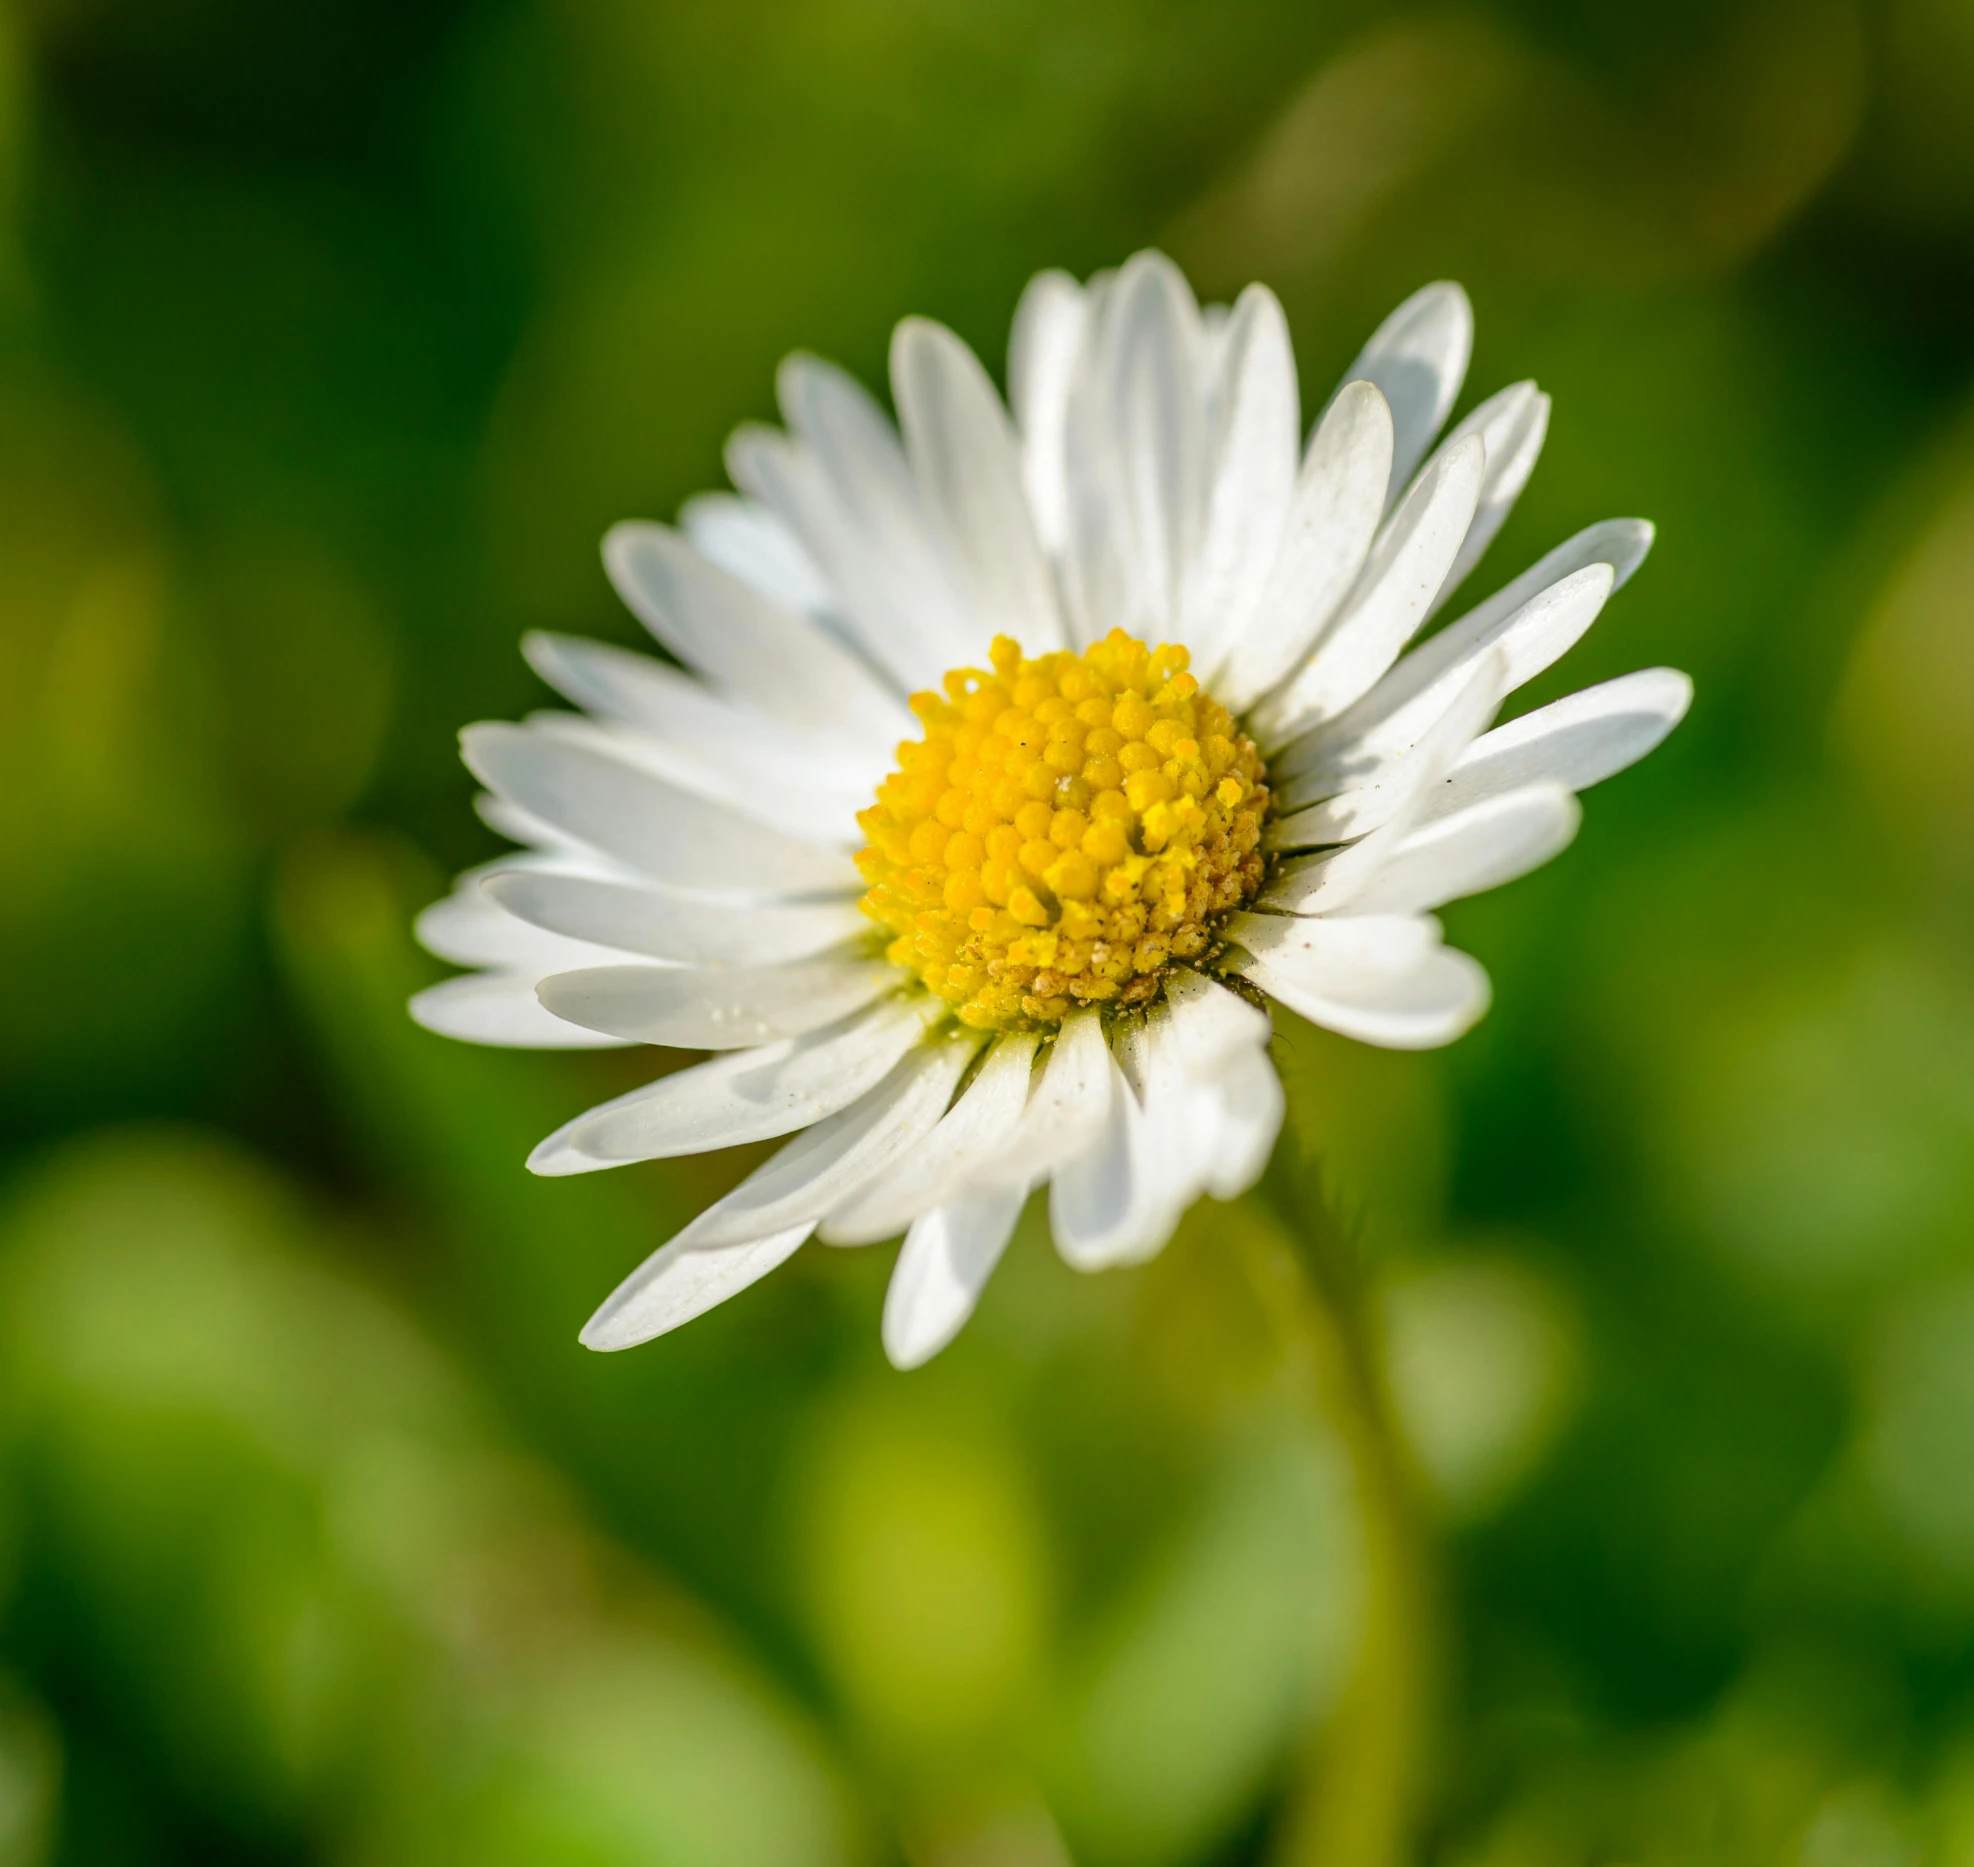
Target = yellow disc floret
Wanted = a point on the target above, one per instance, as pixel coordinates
(1066, 829)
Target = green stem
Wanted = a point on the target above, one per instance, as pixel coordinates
(1358, 1792)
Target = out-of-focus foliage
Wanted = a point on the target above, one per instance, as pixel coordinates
(1617, 1505)
(364, 1617)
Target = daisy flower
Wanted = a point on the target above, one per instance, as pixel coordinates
(1010, 761)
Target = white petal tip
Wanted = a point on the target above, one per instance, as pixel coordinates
(1643, 534)
(498, 1009)
(1443, 304)
(420, 1006)
(905, 1354)
(621, 540)
(1449, 301)
(600, 1338)
(945, 1262)
(618, 1325)
(1364, 398)
(917, 1324)
(556, 1158)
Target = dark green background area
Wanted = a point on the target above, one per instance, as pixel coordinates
(332, 336)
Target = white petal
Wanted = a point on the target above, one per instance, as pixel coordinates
(1095, 562)
(1472, 851)
(1392, 943)
(802, 806)
(1341, 819)
(1353, 752)
(871, 531)
(1042, 351)
(974, 1131)
(500, 1008)
(746, 645)
(677, 1283)
(1156, 401)
(1230, 1110)
(1512, 426)
(1578, 741)
(745, 1095)
(1251, 1109)
(1339, 499)
(1418, 357)
(965, 456)
(1210, 1023)
(640, 691)
(1401, 988)
(470, 930)
(1620, 543)
(1096, 1202)
(1184, 1117)
(656, 828)
(947, 1257)
(669, 724)
(717, 1007)
(1175, 1136)
(832, 1162)
(1407, 566)
(1386, 803)
(785, 477)
(1216, 323)
(677, 928)
(1251, 465)
(1065, 1111)
(1136, 447)
(506, 818)
(747, 541)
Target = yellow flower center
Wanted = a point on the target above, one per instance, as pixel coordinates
(1066, 829)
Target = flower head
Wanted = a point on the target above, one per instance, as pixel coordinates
(1011, 766)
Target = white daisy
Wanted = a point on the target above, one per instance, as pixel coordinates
(1165, 757)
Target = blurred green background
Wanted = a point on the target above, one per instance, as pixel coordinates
(1616, 1506)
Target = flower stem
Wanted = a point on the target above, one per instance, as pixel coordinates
(1357, 1794)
